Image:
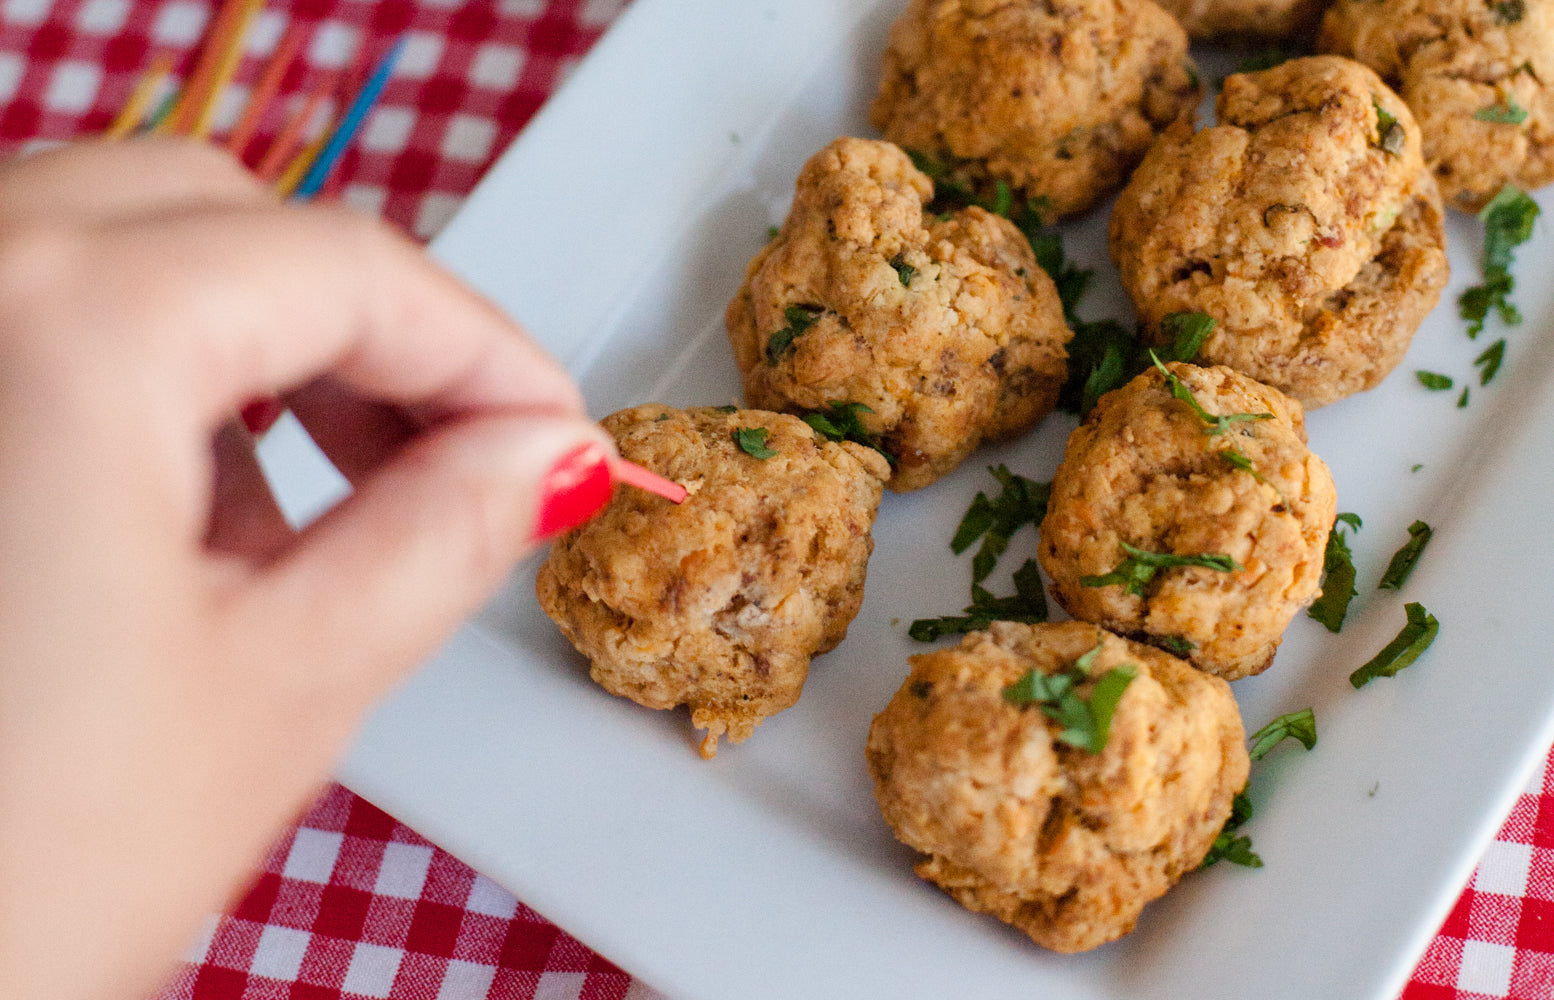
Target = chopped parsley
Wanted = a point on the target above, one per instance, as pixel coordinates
(1507, 112)
(1433, 381)
(752, 441)
(1415, 637)
(1337, 576)
(1490, 361)
(1301, 726)
(1022, 501)
(1509, 11)
(800, 318)
(1086, 722)
(1234, 458)
(1136, 571)
(904, 271)
(1389, 131)
(841, 423)
(724, 409)
(1188, 331)
(1071, 280)
(1215, 424)
(1102, 354)
(1228, 845)
(1462, 400)
(1508, 220)
(1266, 59)
(1028, 604)
(1003, 199)
(1179, 645)
(1403, 559)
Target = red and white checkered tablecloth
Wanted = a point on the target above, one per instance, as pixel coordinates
(350, 903)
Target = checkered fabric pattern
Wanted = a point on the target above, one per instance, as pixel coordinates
(350, 903)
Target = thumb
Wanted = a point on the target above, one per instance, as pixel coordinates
(373, 587)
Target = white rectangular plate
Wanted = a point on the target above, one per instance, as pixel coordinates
(617, 229)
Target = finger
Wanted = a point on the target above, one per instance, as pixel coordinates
(375, 584)
(117, 179)
(267, 299)
(356, 434)
(245, 520)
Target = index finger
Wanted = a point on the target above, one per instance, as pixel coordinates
(234, 302)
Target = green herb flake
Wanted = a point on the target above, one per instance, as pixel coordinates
(1022, 501)
(771, 233)
(1102, 354)
(1415, 637)
(1403, 559)
(840, 422)
(726, 409)
(904, 271)
(1507, 112)
(1236, 459)
(1389, 131)
(1003, 199)
(1266, 59)
(1028, 604)
(1215, 424)
(1086, 722)
(1508, 221)
(1070, 280)
(752, 441)
(1187, 331)
(1416, 467)
(1228, 846)
(1178, 645)
(1462, 400)
(1490, 361)
(1433, 381)
(800, 319)
(1136, 571)
(1509, 11)
(1337, 576)
(1300, 726)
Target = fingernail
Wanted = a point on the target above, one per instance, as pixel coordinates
(261, 414)
(575, 489)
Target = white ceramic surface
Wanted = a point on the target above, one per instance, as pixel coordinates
(617, 228)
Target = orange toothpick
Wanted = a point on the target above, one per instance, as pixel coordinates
(265, 90)
(287, 182)
(134, 110)
(224, 67)
(285, 145)
(195, 87)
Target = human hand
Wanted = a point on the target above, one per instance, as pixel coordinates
(178, 668)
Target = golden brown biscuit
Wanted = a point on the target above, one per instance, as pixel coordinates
(1305, 222)
(946, 329)
(1058, 100)
(1244, 20)
(1475, 74)
(718, 603)
(1065, 844)
(1146, 470)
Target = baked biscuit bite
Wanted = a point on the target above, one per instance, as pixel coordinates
(1245, 20)
(932, 334)
(1188, 513)
(1057, 100)
(1059, 830)
(1305, 223)
(1475, 74)
(720, 602)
